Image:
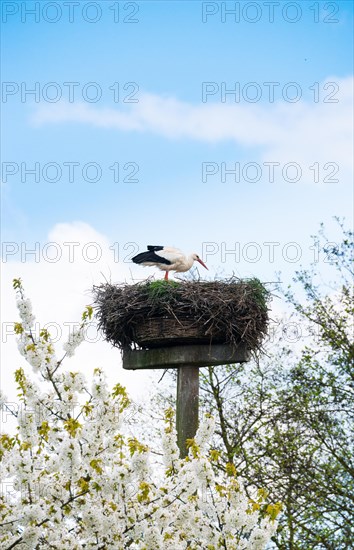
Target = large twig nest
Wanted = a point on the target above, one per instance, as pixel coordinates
(164, 313)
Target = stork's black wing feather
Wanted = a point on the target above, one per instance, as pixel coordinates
(150, 256)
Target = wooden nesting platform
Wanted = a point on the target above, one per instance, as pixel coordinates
(199, 355)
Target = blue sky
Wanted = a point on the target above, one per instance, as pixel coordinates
(180, 144)
(162, 60)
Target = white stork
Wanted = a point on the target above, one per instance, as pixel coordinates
(167, 259)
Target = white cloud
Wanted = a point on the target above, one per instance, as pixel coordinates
(303, 131)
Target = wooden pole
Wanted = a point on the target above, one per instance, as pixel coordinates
(187, 406)
(187, 359)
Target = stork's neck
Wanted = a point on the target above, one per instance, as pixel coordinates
(189, 261)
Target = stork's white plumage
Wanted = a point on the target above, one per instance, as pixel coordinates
(167, 259)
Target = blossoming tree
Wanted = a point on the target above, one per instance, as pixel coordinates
(77, 481)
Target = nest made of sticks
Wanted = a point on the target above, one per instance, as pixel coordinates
(162, 313)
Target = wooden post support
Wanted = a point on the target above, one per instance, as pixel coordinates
(187, 406)
(184, 356)
(187, 360)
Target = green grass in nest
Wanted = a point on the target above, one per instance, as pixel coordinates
(157, 290)
(261, 293)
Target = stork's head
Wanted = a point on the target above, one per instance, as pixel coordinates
(197, 259)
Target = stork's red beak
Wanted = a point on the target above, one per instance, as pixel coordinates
(202, 263)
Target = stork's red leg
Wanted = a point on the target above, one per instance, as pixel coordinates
(166, 275)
